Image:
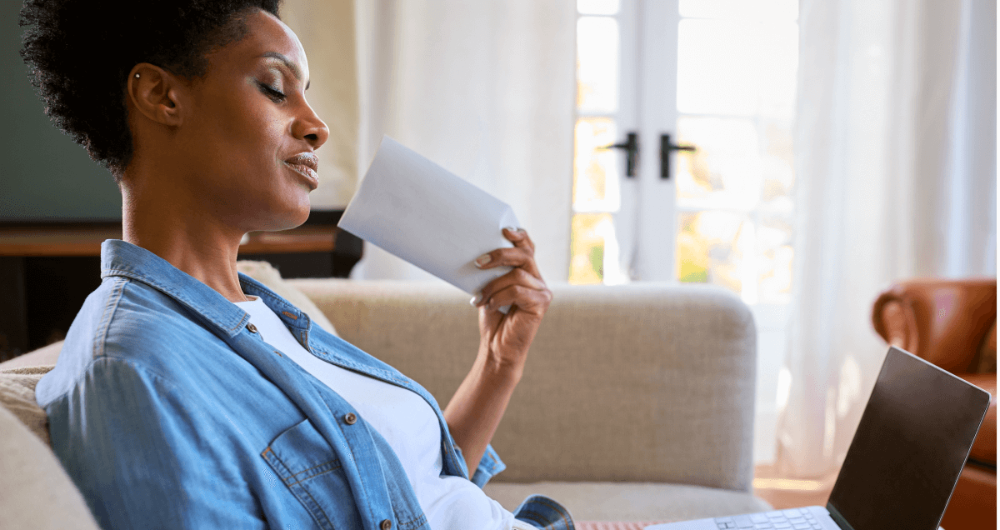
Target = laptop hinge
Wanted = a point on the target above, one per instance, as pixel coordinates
(837, 518)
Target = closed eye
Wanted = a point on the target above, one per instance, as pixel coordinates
(274, 94)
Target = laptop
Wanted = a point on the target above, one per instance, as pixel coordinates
(903, 463)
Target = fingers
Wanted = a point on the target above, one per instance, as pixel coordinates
(514, 278)
(523, 285)
(525, 298)
(510, 257)
(521, 255)
(520, 238)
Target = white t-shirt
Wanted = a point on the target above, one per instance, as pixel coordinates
(406, 421)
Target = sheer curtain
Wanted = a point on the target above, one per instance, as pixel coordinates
(896, 159)
(486, 89)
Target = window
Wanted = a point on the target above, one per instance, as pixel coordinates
(734, 76)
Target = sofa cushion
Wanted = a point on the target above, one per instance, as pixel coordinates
(41, 357)
(17, 395)
(266, 274)
(645, 382)
(35, 492)
(628, 501)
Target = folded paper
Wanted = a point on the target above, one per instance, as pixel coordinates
(426, 215)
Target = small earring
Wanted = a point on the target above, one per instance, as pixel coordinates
(137, 75)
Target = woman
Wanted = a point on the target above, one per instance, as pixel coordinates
(189, 396)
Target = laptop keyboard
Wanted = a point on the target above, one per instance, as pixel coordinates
(793, 519)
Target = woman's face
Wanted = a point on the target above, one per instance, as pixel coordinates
(249, 135)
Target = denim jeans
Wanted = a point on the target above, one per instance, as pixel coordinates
(540, 512)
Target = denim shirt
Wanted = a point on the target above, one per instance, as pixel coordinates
(168, 411)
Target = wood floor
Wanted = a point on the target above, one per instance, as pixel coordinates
(783, 493)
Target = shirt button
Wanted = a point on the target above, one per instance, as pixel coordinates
(351, 419)
(252, 328)
(386, 525)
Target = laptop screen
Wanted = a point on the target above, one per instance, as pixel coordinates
(910, 447)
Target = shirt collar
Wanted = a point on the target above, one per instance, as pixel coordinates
(288, 313)
(120, 258)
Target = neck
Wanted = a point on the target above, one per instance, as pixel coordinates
(186, 237)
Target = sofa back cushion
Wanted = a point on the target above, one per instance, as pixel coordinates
(643, 383)
(17, 396)
(35, 492)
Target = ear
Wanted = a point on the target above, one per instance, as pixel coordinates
(156, 94)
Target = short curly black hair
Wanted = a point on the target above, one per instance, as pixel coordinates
(80, 53)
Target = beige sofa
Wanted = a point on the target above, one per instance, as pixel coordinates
(636, 403)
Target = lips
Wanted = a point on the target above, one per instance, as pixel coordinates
(305, 164)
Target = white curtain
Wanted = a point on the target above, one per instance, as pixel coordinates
(896, 165)
(485, 89)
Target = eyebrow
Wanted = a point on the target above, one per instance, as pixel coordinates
(296, 71)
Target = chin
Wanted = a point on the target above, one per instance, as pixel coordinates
(303, 214)
(293, 220)
(283, 219)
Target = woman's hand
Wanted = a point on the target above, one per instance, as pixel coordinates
(504, 339)
(480, 401)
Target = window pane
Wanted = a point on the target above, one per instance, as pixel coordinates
(736, 68)
(736, 88)
(718, 248)
(588, 238)
(715, 68)
(725, 170)
(597, 7)
(595, 171)
(597, 64)
(745, 9)
(711, 247)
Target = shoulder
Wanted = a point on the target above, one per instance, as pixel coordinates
(132, 326)
(121, 424)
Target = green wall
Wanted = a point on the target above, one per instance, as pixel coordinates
(43, 174)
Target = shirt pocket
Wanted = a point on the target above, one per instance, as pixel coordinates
(309, 468)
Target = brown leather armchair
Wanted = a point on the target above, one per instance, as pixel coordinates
(953, 324)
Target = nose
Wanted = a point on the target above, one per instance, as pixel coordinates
(309, 127)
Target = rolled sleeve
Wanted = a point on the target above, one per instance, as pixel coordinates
(489, 466)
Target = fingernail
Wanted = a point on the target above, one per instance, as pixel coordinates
(475, 300)
(483, 260)
(510, 229)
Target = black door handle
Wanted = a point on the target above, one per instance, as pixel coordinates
(666, 147)
(631, 147)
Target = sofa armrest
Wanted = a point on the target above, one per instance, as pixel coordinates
(942, 321)
(639, 383)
